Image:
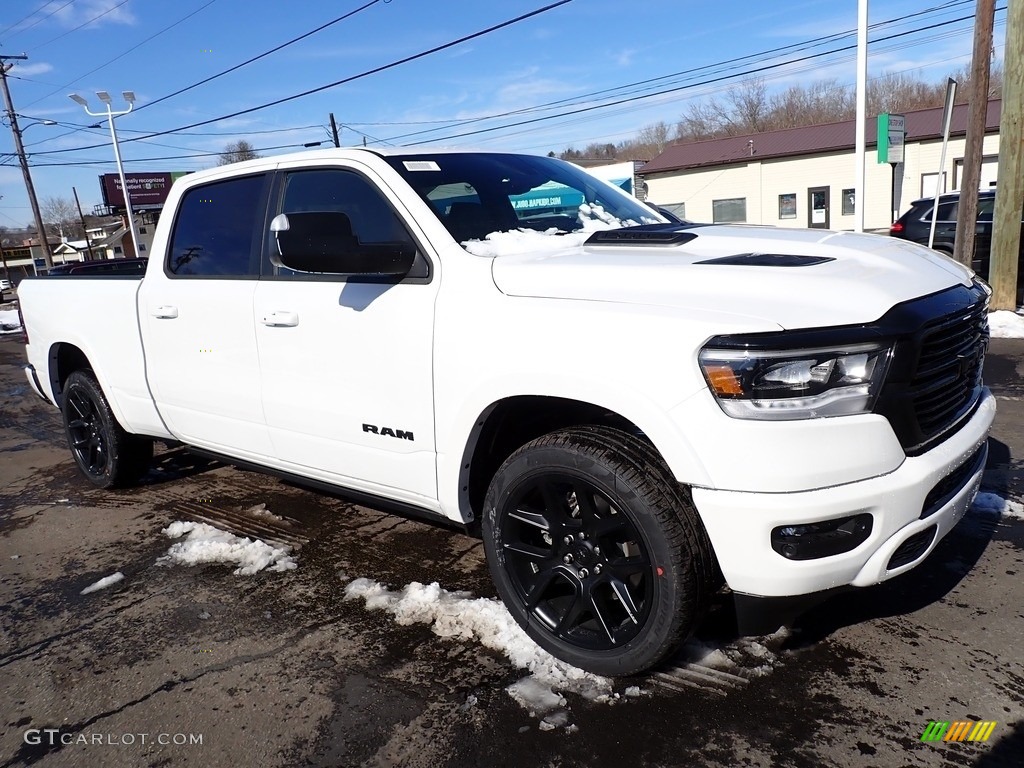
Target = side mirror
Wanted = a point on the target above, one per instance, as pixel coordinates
(323, 242)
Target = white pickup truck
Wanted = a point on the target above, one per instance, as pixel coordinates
(630, 411)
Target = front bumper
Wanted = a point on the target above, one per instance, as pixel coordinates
(903, 533)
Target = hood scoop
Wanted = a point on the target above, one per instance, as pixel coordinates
(647, 234)
(767, 260)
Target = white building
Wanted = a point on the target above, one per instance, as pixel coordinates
(804, 177)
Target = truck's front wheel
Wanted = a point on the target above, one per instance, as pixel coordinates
(105, 453)
(596, 551)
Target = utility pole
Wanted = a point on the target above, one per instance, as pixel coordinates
(334, 131)
(43, 242)
(81, 218)
(967, 211)
(1002, 269)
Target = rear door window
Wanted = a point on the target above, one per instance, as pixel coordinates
(219, 229)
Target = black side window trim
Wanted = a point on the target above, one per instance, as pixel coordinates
(259, 225)
(422, 272)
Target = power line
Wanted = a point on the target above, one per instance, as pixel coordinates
(121, 55)
(264, 54)
(37, 21)
(83, 24)
(155, 159)
(649, 82)
(343, 81)
(675, 89)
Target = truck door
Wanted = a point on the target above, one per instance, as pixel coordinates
(346, 364)
(201, 357)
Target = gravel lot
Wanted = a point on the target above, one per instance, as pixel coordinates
(277, 668)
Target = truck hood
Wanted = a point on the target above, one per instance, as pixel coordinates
(838, 278)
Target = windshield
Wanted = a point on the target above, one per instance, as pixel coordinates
(476, 194)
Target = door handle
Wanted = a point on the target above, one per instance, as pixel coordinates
(281, 319)
(166, 312)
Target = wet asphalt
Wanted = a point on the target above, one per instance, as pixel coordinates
(277, 669)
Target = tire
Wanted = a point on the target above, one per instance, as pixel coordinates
(596, 551)
(107, 455)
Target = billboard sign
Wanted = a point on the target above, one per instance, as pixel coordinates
(147, 190)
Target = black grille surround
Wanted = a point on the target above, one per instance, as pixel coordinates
(935, 375)
(934, 379)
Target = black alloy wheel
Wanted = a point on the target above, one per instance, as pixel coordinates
(596, 551)
(106, 454)
(579, 566)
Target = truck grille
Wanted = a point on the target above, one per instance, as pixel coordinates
(947, 381)
(935, 374)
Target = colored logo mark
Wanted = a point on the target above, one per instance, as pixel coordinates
(958, 730)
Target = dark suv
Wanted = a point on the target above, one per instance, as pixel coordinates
(915, 223)
(101, 267)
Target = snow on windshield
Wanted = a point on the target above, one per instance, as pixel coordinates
(591, 217)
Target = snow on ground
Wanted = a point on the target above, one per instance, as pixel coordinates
(994, 505)
(458, 615)
(103, 583)
(260, 510)
(9, 321)
(745, 656)
(205, 544)
(1005, 324)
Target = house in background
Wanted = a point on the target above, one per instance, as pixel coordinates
(804, 177)
(107, 237)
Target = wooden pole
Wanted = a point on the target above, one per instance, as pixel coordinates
(1006, 224)
(81, 218)
(967, 211)
(334, 131)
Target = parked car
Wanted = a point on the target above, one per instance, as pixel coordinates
(5, 286)
(100, 267)
(916, 223)
(629, 411)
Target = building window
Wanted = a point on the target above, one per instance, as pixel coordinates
(117, 249)
(928, 181)
(730, 210)
(142, 230)
(679, 209)
(142, 247)
(787, 206)
(849, 201)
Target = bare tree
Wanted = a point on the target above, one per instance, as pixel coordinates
(238, 151)
(60, 216)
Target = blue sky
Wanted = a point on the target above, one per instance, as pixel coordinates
(581, 55)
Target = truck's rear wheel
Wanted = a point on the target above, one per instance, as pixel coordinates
(105, 453)
(596, 551)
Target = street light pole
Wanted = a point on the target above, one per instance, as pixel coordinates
(103, 96)
(44, 243)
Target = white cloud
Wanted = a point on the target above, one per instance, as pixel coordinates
(29, 70)
(96, 12)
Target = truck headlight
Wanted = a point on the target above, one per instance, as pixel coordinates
(777, 385)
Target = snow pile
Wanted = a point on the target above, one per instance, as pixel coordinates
(1005, 324)
(458, 615)
(260, 510)
(9, 321)
(103, 583)
(205, 544)
(745, 656)
(994, 505)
